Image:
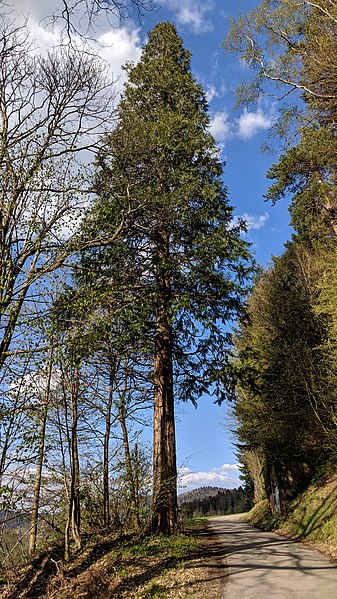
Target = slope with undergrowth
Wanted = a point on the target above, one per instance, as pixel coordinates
(183, 565)
(312, 515)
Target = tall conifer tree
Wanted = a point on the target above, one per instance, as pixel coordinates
(189, 261)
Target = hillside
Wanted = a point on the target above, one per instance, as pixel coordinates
(132, 567)
(312, 515)
(199, 493)
(214, 501)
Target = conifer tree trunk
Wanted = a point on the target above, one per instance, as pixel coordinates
(164, 448)
(178, 236)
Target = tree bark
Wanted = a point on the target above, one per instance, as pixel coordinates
(73, 521)
(277, 497)
(39, 466)
(164, 518)
(130, 474)
(106, 494)
(328, 205)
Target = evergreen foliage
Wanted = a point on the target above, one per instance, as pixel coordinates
(214, 501)
(179, 251)
(162, 158)
(285, 363)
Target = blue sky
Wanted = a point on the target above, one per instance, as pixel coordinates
(205, 450)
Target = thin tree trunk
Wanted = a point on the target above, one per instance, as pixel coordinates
(6, 443)
(39, 466)
(76, 515)
(128, 460)
(329, 206)
(9, 431)
(136, 475)
(106, 494)
(164, 449)
(73, 520)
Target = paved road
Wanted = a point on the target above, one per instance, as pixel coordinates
(267, 566)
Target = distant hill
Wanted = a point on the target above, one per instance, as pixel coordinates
(199, 493)
(211, 501)
(13, 519)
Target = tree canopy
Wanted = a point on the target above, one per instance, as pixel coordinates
(285, 405)
(188, 262)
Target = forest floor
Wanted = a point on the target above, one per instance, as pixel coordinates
(190, 564)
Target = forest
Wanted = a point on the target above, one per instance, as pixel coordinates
(126, 285)
(117, 281)
(214, 501)
(284, 369)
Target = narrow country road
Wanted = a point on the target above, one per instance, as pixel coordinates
(264, 565)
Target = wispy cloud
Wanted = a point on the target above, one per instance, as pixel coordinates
(226, 476)
(220, 126)
(211, 92)
(252, 221)
(193, 14)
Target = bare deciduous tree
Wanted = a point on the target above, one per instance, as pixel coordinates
(86, 12)
(52, 108)
(79, 17)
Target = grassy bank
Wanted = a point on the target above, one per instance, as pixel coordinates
(130, 567)
(312, 516)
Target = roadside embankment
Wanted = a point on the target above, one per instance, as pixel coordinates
(312, 516)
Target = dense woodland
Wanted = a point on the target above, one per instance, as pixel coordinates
(117, 281)
(285, 363)
(120, 279)
(214, 501)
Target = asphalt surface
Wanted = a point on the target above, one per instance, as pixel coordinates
(264, 565)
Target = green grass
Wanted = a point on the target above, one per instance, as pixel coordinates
(177, 545)
(129, 567)
(149, 563)
(261, 516)
(312, 515)
(193, 522)
(155, 590)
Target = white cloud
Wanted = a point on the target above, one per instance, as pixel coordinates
(119, 46)
(211, 93)
(252, 221)
(249, 123)
(226, 476)
(255, 222)
(79, 12)
(116, 46)
(220, 126)
(192, 13)
(246, 126)
(32, 386)
(36, 8)
(43, 39)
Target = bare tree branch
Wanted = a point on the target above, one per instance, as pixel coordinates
(52, 109)
(80, 17)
